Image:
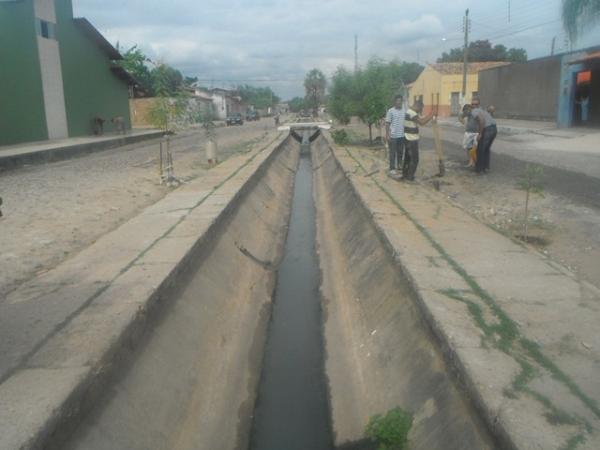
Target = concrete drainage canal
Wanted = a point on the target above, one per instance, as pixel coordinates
(289, 329)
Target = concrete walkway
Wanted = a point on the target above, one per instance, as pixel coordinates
(59, 330)
(40, 152)
(522, 331)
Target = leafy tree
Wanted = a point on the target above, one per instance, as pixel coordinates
(516, 55)
(296, 104)
(578, 15)
(369, 92)
(259, 97)
(188, 81)
(342, 98)
(375, 89)
(314, 87)
(482, 50)
(166, 81)
(136, 63)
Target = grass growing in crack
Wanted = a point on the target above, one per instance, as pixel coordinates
(534, 351)
(505, 331)
(390, 432)
(573, 442)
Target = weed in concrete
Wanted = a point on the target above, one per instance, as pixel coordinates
(433, 262)
(534, 351)
(573, 442)
(390, 432)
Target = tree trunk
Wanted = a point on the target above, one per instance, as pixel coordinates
(525, 235)
(370, 134)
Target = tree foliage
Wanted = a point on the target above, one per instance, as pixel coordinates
(166, 81)
(578, 15)
(259, 97)
(314, 88)
(136, 63)
(482, 51)
(369, 92)
(296, 104)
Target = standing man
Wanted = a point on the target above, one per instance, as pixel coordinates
(394, 133)
(487, 134)
(412, 120)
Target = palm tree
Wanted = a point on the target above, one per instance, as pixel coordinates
(578, 15)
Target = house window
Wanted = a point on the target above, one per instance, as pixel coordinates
(46, 29)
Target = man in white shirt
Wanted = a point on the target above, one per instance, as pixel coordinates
(394, 133)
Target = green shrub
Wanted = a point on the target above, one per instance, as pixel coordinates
(340, 137)
(390, 432)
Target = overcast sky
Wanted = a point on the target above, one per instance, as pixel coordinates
(233, 41)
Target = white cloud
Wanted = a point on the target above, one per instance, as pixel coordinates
(281, 39)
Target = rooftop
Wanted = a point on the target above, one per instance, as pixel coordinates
(455, 68)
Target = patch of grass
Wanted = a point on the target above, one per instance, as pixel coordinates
(390, 432)
(534, 351)
(573, 442)
(340, 137)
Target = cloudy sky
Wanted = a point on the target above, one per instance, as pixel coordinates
(275, 42)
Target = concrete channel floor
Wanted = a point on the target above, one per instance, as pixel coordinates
(531, 344)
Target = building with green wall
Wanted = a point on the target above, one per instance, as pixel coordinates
(57, 73)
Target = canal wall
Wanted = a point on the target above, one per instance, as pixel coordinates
(380, 351)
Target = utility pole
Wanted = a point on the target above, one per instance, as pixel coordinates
(355, 53)
(553, 45)
(466, 25)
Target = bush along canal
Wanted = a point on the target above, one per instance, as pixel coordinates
(292, 408)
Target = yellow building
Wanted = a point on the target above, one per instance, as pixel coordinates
(446, 80)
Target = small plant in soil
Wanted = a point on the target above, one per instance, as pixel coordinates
(390, 432)
(340, 137)
(530, 182)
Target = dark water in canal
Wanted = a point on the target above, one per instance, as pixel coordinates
(292, 408)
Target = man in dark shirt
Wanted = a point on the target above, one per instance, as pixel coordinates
(487, 134)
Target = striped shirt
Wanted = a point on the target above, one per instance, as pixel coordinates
(395, 117)
(411, 126)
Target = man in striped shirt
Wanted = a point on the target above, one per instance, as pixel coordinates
(412, 121)
(394, 133)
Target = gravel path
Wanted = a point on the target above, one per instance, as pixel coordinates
(53, 211)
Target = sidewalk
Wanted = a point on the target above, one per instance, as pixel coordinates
(573, 149)
(522, 330)
(46, 151)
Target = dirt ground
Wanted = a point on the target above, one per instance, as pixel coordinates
(53, 211)
(563, 229)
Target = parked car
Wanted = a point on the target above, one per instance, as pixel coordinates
(252, 115)
(234, 119)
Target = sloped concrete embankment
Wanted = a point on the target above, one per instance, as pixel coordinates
(380, 352)
(190, 382)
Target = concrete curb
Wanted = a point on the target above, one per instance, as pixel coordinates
(484, 374)
(13, 159)
(41, 401)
